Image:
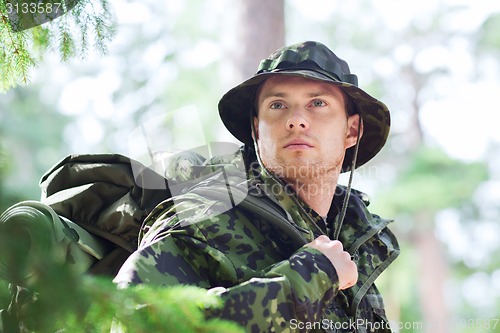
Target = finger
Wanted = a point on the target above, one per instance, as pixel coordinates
(323, 239)
(335, 244)
(348, 285)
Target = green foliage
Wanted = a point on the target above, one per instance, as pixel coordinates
(4, 294)
(74, 303)
(7, 198)
(15, 58)
(31, 141)
(432, 181)
(489, 35)
(88, 23)
(397, 285)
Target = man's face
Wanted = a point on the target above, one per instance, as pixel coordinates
(302, 128)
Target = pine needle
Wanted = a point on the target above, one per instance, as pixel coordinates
(87, 23)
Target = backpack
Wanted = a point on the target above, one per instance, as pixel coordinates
(94, 205)
(91, 210)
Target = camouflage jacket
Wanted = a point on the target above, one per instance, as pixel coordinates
(218, 236)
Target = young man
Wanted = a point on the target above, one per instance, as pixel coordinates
(296, 252)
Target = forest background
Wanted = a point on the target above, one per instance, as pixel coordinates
(434, 63)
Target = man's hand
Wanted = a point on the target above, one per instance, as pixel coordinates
(347, 271)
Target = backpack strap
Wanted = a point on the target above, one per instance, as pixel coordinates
(261, 206)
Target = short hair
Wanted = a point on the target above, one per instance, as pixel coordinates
(349, 105)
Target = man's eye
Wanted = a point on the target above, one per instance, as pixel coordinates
(318, 102)
(277, 105)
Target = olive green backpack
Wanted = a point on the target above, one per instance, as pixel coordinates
(91, 211)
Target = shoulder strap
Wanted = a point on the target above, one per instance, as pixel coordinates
(261, 206)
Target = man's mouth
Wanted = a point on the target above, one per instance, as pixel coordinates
(298, 144)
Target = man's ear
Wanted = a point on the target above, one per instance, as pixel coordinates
(256, 128)
(353, 124)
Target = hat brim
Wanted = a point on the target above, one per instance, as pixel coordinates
(235, 110)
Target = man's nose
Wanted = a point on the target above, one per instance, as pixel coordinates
(297, 121)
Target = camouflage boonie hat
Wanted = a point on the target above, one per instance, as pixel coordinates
(311, 60)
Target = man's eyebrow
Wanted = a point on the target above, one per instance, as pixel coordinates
(273, 94)
(320, 93)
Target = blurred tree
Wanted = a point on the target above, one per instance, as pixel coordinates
(488, 37)
(430, 183)
(30, 142)
(256, 44)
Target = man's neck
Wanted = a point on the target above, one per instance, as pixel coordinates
(316, 193)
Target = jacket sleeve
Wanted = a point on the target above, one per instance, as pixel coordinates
(295, 288)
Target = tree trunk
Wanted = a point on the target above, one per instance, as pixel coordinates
(433, 271)
(433, 267)
(260, 30)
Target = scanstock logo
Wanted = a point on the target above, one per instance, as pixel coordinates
(174, 145)
(26, 14)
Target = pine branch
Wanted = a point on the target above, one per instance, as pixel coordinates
(41, 37)
(23, 59)
(15, 58)
(100, 304)
(103, 25)
(88, 23)
(82, 19)
(66, 42)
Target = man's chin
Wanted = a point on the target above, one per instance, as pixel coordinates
(295, 170)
